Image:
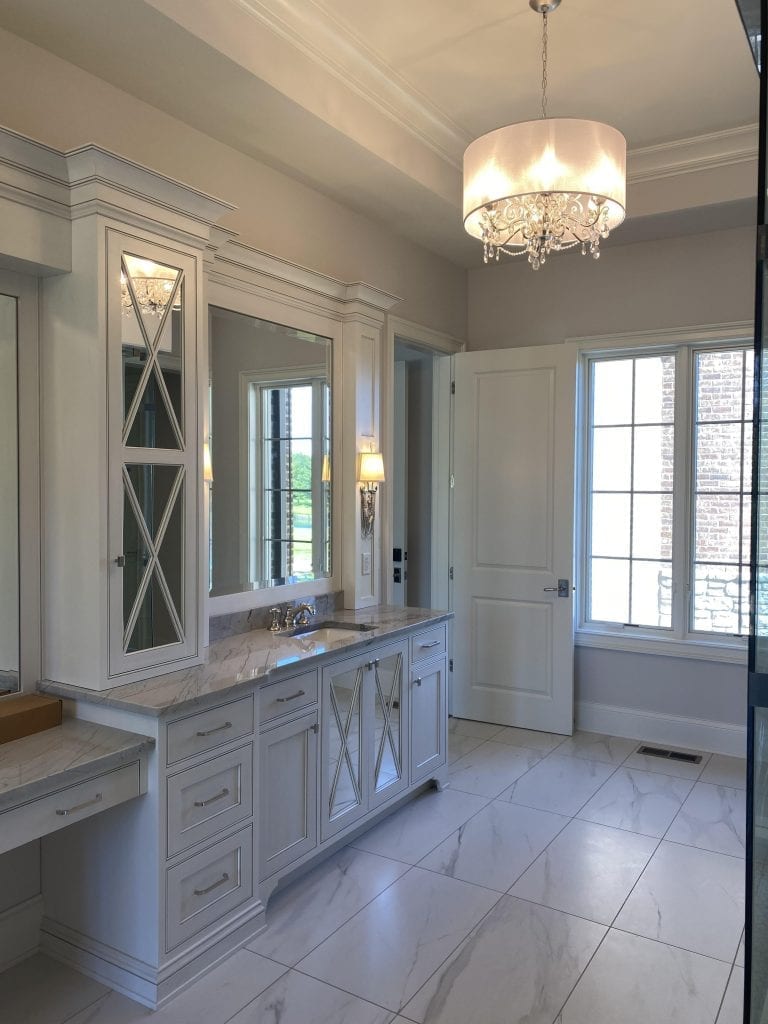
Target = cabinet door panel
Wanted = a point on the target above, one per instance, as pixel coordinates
(428, 718)
(344, 796)
(288, 787)
(389, 733)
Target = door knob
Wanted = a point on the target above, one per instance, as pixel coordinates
(563, 589)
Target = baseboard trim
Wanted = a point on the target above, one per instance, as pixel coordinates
(153, 987)
(20, 931)
(672, 730)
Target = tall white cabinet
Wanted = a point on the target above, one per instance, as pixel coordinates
(122, 358)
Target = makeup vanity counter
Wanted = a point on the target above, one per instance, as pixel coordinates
(275, 751)
(65, 774)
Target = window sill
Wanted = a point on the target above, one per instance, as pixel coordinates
(693, 649)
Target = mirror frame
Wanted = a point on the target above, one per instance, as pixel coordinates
(296, 316)
(25, 289)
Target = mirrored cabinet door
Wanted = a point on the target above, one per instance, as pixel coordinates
(153, 454)
(343, 782)
(389, 727)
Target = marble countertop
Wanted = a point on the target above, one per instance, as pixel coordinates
(45, 762)
(237, 662)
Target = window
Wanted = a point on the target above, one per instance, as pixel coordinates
(289, 494)
(667, 477)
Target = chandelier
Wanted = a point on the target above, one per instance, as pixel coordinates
(543, 186)
(153, 285)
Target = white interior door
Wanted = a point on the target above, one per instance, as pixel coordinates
(513, 536)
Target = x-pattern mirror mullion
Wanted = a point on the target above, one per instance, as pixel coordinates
(344, 732)
(387, 706)
(152, 365)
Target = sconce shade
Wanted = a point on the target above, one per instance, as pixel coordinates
(207, 467)
(325, 474)
(371, 468)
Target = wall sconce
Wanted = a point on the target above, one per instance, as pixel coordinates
(207, 466)
(325, 474)
(371, 473)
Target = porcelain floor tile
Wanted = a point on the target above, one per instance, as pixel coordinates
(311, 908)
(296, 999)
(531, 738)
(558, 784)
(410, 833)
(638, 801)
(495, 846)
(712, 818)
(689, 898)
(597, 747)
(40, 990)
(519, 964)
(388, 950)
(212, 1000)
(468, 727)
(726, 771)
(667, 765)
(636, 981)
(490, 768)
(732, 1010)
(458, 746)
(588, 870)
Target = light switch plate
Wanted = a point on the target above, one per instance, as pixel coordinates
(365, 563)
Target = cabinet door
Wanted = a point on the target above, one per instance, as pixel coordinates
(344, 796)
(153, 453)
(388, 701)
(287, 794)
(428, 718)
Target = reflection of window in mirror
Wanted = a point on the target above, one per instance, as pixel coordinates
(270, 437)
(9, 498)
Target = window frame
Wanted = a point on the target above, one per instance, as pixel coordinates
(681, 640)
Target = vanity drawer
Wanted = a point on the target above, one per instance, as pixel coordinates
(288, 695)
(429, 644)
(208, 886)
(50, 813)
(209, 729)
(206, 799)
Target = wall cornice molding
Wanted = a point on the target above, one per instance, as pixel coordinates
(698, 153)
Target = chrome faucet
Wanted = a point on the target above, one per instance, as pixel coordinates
(299, 616)
(275, 625)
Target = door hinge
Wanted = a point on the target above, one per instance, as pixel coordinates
(450, 573)
(453, 387)
(450, 664)
(453, 481)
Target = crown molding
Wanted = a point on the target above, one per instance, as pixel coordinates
(699, 153)
(318, 35)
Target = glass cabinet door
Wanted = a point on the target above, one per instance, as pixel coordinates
(343, 783)
(389, 727)
(153, 454)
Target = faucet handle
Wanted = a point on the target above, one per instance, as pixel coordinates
(275, 624)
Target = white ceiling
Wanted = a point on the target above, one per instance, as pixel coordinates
(373, 103)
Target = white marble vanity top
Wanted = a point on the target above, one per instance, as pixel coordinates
(47, 761)
(238, 662)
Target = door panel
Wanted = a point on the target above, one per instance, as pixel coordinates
(513, 536)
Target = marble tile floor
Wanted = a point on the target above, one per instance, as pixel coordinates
(556, 881)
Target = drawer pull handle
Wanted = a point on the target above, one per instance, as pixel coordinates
(210, 732)
(66, 811)
(432, 643)
(215, 885)
(294, 696)
(212, 799)
(417, 682)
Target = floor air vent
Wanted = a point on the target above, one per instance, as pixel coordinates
(671, 755)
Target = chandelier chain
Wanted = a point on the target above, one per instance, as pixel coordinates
(544, 41)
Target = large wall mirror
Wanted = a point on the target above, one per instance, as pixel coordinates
(270, 439)
(9, 496)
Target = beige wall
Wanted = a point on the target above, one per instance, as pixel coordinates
(59, 104)
(673, 282)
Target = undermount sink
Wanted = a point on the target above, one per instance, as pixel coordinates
(328, 632)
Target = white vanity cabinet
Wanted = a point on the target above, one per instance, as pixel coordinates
(288, 741)
(364, 735)
(428, 688)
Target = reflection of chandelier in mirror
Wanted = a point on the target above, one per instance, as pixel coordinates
(152, 284)
(543, 186)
